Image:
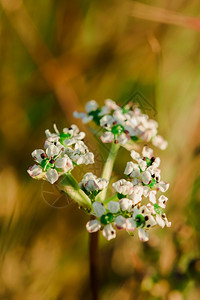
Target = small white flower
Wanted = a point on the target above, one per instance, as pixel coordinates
(123, 187)
(91, 183)
(52, 164)
(144, 220)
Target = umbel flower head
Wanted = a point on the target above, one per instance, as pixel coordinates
(137, 203)
(122, 124)
(62, 152)
(128, 211)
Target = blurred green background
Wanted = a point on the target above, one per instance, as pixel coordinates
(55, 56)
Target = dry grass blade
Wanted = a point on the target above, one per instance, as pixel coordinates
(161, 15)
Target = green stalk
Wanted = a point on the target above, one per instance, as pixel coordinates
(70, 187)
(108, 167)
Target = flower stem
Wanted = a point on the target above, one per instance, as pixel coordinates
(93, 257)
(108, 167)
(70, 187)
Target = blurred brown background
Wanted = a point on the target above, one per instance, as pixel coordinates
(55, 56)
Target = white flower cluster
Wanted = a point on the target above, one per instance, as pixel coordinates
(135, 204)
(128, 212)
(121, 124)
(62, 151)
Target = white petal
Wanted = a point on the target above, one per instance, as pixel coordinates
(113, 206)
(135, 172)
(123, 139)
(129, 167)
(81, 147)
(160, 221)
(162, 186)
(52, 150)
(89, 176)
(146, 177)
(109, 232)
(135, 198)
(142, 164)
(135, 155)
(107, 121)
(156, 163)
(48, 133)
(136, 181)
(152, 196)
(150, 222)
(143, 235)
(147, 152)
(120, 222)
(136, 211)
(130, 224)
(91, 105)
(125, 204)
(91, 186)
(162, 201)
(93, 226)
(86, 159)
(52, 175)
(34, 171)
(36, 154)
(99, 209)
(102, 183)
(78, 115)
(111, 104)
(107, 137)
(146, 190)
(159, 142)
(64, 162)
(87, 119)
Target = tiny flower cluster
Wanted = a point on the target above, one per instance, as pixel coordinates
(127, 211)
(62, 151)
(122, 124)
